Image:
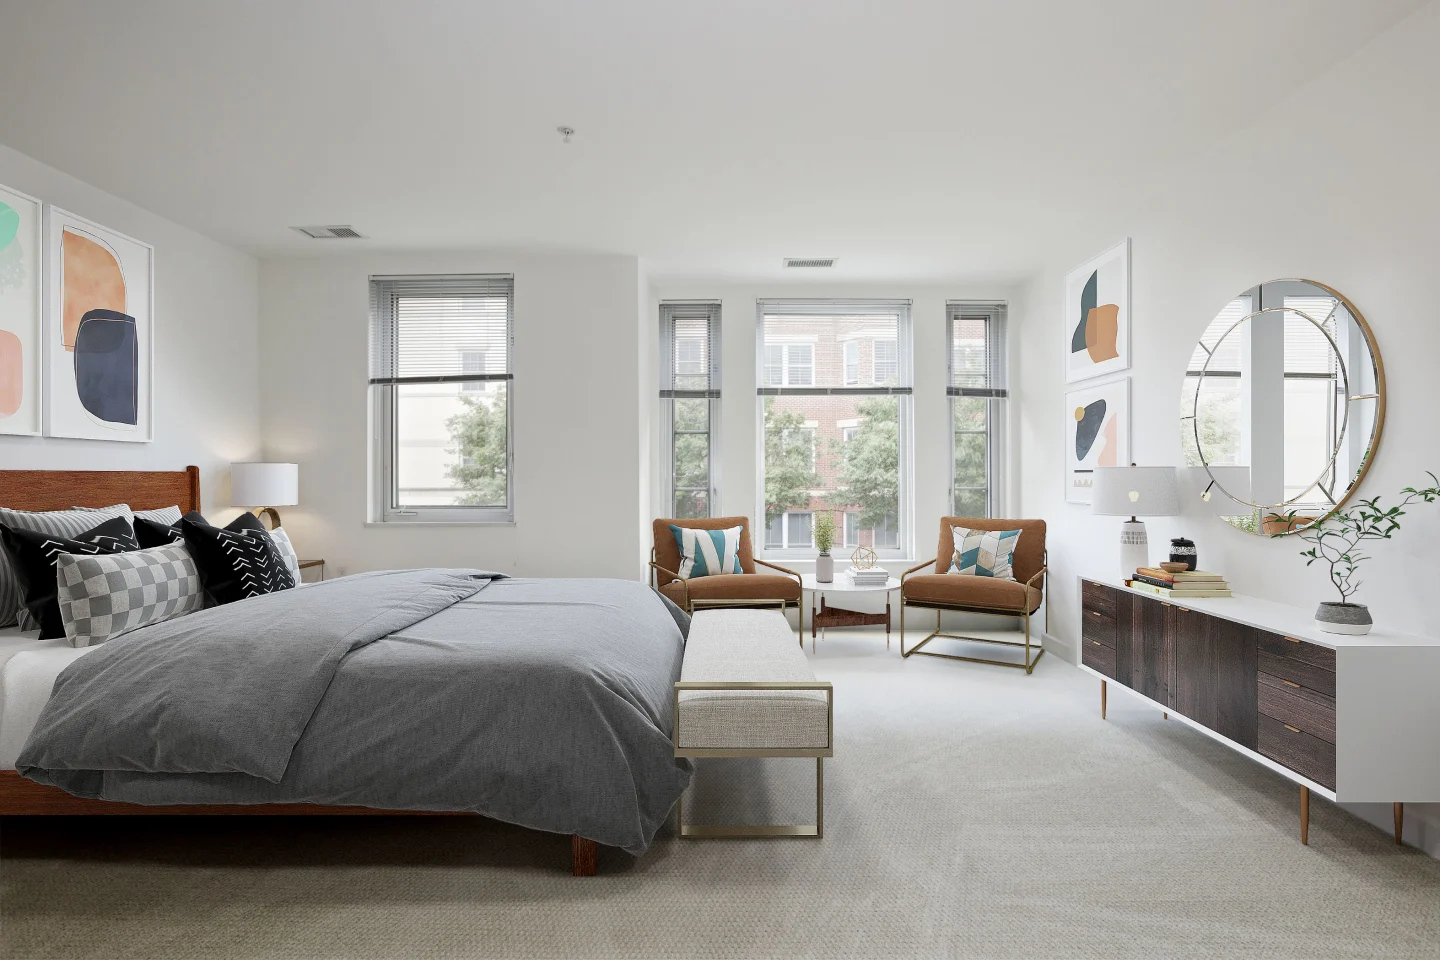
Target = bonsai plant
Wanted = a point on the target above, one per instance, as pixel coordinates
(824, 539)
(1336, 541)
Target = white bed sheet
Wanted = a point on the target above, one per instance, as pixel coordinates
(28, 668)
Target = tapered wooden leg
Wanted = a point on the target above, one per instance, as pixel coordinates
(1102, 699)
(584, 856)
(1164, 715)
(1305, 815)
(1399, 823)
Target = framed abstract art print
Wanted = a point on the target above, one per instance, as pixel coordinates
(1097, 315)
(99, 332)
(20, 313)
(1097, 434)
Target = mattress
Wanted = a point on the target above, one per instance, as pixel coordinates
(28, 668)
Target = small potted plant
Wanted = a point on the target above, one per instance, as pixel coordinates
(824, 540)
(1336, 541)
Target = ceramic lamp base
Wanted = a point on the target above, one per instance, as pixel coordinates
(1134, 548)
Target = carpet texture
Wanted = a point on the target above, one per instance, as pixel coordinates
(971, 811)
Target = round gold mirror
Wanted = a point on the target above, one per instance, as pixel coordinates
(1283, 405)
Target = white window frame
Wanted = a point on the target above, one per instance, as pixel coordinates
(669, 311)
(994, 391)
(787, 364)
(384, 292)
(903, 392)
(850, 358)
(472, 386)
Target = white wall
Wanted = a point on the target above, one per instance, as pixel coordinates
(1335, 184)
(206, 354)
(578, 454)
(739, 471)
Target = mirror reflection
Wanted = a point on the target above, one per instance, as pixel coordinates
(1282, 404)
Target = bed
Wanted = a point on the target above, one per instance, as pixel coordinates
(545, 703)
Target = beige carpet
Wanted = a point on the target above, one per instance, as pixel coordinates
(972, 812)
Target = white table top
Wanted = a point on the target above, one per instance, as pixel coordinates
(1279, 618)
(842, 584)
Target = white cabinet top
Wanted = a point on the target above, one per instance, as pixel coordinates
(1279, 618)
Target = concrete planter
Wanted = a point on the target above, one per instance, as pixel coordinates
(1348, 618)
(824, 568)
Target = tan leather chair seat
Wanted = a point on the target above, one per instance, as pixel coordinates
(988, 592)
(735, 586)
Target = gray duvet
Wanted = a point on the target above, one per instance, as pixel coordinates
(545, 703)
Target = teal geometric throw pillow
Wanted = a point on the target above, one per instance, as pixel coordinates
(705, 553)
(983, 553)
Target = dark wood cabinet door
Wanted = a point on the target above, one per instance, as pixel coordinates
(1214, 661)
(1152, 643)
(1124, 634)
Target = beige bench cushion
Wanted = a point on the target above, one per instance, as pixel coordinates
(754, 646)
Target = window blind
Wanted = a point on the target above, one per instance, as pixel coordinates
(441, 329)
(1308, 350)
(797, 338)
(689, 358)
(975, 332)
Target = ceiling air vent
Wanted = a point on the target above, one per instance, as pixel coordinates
(337, 232)
(809, 261)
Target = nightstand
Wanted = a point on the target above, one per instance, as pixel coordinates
(307, 564)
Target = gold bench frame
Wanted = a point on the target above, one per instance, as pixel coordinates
(814, 830)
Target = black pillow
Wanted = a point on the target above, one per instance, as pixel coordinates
(237, 562)
(153, 533)
(36, 555)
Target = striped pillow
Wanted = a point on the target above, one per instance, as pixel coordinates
(983, 553)
(705, 553)
(67, 524)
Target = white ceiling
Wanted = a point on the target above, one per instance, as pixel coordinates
(909, 138)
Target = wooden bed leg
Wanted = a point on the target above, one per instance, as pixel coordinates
(584, 856)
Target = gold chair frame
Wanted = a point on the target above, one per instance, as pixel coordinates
(814, 830)
(1028, 664)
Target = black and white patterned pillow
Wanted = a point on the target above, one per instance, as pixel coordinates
(35, 557)
(56, 523)
(154, 533)
(236, 564)
(102, 597)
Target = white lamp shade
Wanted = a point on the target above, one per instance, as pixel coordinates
(264, 484)
(1135, 492)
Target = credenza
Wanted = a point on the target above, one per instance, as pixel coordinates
(1354, 719)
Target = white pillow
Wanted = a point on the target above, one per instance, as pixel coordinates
(287, 552)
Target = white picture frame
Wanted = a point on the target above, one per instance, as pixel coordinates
(108, 322)
(1097, 315)
(1097, 434)
(22, 297)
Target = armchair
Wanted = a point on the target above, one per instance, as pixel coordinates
(748, 588)
(941, 591)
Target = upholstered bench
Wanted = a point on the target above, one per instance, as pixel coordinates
(746, 690)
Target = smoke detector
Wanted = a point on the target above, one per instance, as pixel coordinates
(334, 232)
(809, 262)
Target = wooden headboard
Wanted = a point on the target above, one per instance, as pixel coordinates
(63, 489)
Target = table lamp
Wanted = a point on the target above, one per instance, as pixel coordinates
(265, 486)
(1135, 492)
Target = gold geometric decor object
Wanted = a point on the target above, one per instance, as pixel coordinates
(864, 558)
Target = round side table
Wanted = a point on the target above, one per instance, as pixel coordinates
(822, 616)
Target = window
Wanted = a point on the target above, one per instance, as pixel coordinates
(790, 531)
(832, 442)
(1219, 416)
(887, 363)
(689, 402)
(1312, 386)
(975, 333)
(790, 365)
(472, 362)
(440, 385)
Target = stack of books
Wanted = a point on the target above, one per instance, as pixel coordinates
(1187, 583)
(873, 577)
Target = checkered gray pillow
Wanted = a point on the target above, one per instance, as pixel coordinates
(102, 597)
